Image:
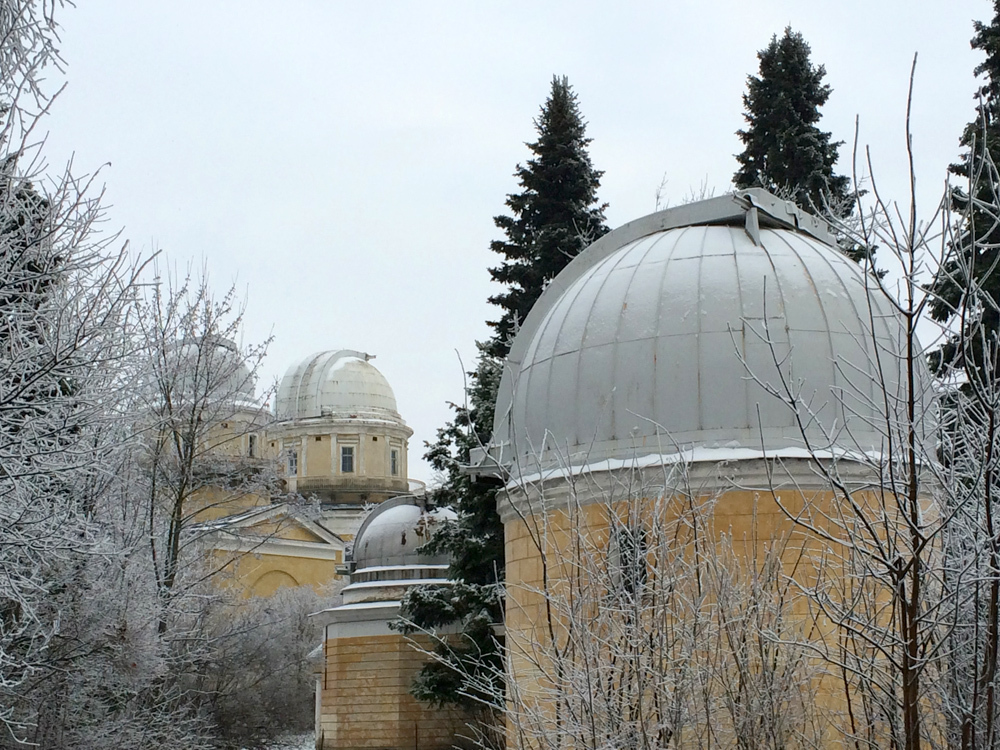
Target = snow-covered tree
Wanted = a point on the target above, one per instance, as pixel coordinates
(973, 256)
(197, 411)
(554, 216)
(85, 662)
(65, 298)
(258, 682)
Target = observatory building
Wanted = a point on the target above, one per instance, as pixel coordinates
(363, 689)
(699, 372)
(717, 353)
(337, 437)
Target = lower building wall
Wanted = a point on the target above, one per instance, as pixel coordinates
(565, 574)
(366, 703)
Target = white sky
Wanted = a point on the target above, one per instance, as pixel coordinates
(342, 162)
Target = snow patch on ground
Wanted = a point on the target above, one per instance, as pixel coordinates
(305, 741)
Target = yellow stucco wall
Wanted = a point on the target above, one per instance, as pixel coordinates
(235, 435)
(260, 569)
(213, 503)
(261, 574)
(366, 704)
(376, 450)
(318, 455)
(283, 528)
(264, 568)
(753, 524)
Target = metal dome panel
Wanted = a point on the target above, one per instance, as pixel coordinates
(340, 383)
(647, 347)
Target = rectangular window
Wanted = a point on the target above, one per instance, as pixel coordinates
(252, 446)
(347, 459)
(394, 462)
(293, 463)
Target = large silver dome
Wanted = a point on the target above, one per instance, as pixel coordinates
(666, 336)
(340, 383)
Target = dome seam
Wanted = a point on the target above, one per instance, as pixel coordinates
(652, 240)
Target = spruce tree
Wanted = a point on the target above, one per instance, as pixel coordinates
(554, 216)
(785, 152)
(975, 254)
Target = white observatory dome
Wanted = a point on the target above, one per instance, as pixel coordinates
(211, 368)
(340, 384)
(644, 345)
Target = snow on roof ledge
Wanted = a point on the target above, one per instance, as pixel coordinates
(690, 456)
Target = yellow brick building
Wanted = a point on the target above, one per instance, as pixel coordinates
(336, 438)
(364, 687)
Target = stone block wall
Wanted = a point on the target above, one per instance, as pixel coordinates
(366, 703)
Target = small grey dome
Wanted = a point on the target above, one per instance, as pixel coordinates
(645, 345)
(339, 383)
(391, 535)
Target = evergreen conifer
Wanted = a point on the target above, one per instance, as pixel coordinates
(555, 215)
(785, 152)
(552, 218)
(975, 254)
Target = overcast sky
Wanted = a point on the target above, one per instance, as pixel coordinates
(342, 162)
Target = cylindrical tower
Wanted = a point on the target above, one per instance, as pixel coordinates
(368, 669)
(339, 434)
(687, 381)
